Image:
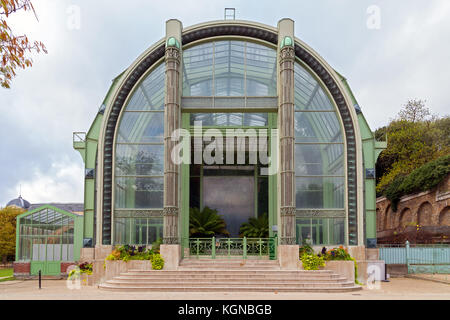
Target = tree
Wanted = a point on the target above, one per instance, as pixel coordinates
(8, 231)
(413, 140)
(414, 110)
(206, 223)
(15, 50)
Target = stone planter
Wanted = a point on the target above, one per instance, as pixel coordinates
(345, 268)
(114, 268)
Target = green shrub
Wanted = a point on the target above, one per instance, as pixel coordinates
(206, 223)
(305, 248)
(423, 178)
(312, 261)
(255, 227)
(84, 267)
(156, 245)
(157, 262)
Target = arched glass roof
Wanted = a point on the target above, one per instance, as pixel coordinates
(229, 68)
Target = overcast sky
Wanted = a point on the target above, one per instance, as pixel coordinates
(406, 57)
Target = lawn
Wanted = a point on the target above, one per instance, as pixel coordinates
(6, 273)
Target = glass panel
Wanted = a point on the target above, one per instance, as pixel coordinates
(338, 230)
(229, 68)
(65, 249)
(263, 196)
(140, 160)
(260, 70)
(319, 159)
(317, 127)
(231, 119)
(119, 231)
(70, 250)
(198, 73)
(194, 193)
(326, 231)
(25, 248)
(144, 127)
(322, 192)
(150, 93)
(134, 192)
(240, 68)
(155, 229)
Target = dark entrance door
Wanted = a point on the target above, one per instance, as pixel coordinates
(231, 191)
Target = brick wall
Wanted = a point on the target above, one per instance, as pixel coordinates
(65, 265)
(430, 210)
(21, 268)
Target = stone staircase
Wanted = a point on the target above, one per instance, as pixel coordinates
(229, 276)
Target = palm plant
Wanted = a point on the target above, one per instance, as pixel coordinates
(206, 223)
(255, 227)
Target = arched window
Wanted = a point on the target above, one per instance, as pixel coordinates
(230, 68)
(319, 162)
(139, 162)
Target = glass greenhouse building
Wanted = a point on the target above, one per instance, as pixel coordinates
(239, 117)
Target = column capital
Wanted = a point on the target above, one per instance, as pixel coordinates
(287, 53)
(170, 211)
(173, 53)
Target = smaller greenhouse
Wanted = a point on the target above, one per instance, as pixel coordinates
(48, 239)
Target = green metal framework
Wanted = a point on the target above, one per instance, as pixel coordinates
(48, 236)
(117, 96)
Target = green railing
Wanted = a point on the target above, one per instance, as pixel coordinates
(233, 247)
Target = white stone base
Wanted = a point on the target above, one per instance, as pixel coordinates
(288, 257)
(171, 254)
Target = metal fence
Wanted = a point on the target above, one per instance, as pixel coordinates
(418, 258)
(232, 247)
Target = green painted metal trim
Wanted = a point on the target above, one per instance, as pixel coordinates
(17, 237)
(185, 186)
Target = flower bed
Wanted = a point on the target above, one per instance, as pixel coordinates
(129, 253)
(82, 271)
(336, 259)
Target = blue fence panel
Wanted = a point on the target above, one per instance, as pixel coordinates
(420, 259)
(393, 255)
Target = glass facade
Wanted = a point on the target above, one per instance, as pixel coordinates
(324, 231)
(319, 162)
(137, 231)
(46, 235)
(139, 158)
(319, 146)
(230, 68)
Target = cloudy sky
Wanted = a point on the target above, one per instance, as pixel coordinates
(402, 55)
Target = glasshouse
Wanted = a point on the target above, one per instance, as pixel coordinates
(48, 240)
(227, 135)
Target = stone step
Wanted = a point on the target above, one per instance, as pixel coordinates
(249, 284)
(228, 281)
(219, 268)
(230, 276)
(175, 288)
(238, 271)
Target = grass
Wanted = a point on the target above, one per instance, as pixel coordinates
(6, 273)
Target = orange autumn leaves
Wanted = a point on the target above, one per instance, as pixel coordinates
(15, 50)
